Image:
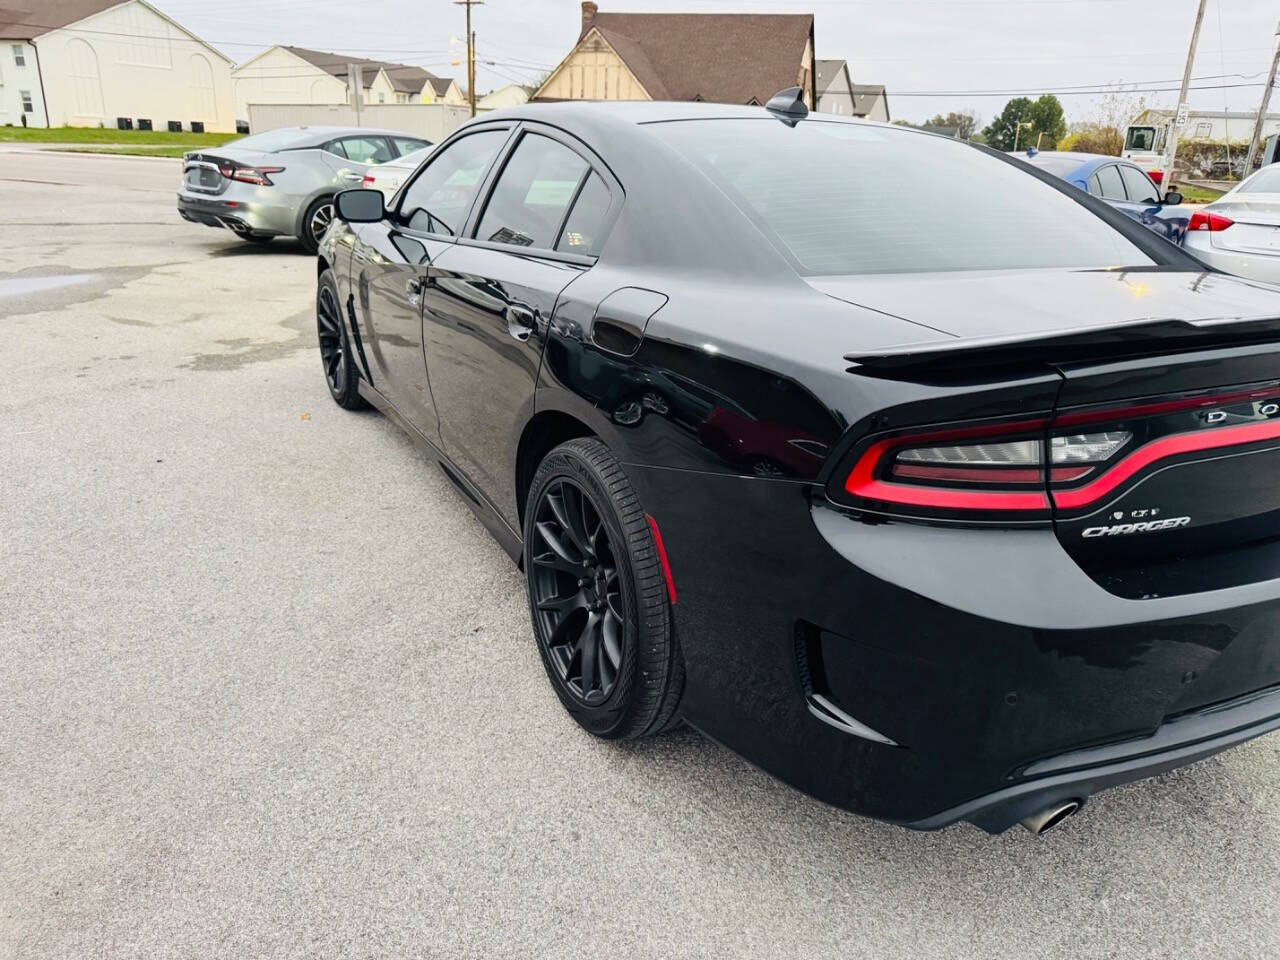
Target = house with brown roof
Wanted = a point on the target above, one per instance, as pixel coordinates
(296, 75)
(717, 57)
(85, 63)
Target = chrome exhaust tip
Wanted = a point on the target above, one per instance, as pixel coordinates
(1048, 818)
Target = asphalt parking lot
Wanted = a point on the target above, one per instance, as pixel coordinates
(268, 689)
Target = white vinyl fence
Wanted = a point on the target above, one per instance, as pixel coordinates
(433, 121)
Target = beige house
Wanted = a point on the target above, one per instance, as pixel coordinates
(512, 95)
(717, 57)
(296, 75)
(838, 94)
(85, 63)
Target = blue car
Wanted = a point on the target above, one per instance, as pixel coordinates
(1120, 184)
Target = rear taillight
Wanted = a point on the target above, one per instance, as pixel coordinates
(1157, 176)
(246, 174)
(997, 470)
(1213, 222)
(366, 182)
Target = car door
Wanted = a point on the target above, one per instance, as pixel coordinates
(1144, 203)
(489, 307)
(349, 157)
(393, 261)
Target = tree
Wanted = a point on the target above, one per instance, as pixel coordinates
(1002, 131)
(1041, 123)
(1104, 132)
(966, 122)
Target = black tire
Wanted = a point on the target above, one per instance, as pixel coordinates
(308, 235)
(258, 238)
(339, 364)
(637, 692)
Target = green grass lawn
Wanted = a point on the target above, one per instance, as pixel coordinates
(141, 150)
(1194, 194)
(129, 138)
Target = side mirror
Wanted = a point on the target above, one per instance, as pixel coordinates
(1172, 198)
(359, 206)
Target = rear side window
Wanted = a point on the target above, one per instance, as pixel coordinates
(365, 149)
(582, 231)
(1139, 187)
(438, 199)
(532, 195)
(1112, 184)
(409, 144)
(842, 198)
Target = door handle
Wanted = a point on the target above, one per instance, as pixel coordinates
(521, 321)
(351, 177)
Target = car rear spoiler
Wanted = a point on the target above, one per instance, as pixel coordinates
(1131, 338)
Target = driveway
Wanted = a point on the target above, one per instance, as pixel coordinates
(267, 689)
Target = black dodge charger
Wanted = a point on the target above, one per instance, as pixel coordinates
(930, 484)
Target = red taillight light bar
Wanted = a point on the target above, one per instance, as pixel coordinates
(1213, 222)
(246, 174)
(366, 181)
(1157, 176)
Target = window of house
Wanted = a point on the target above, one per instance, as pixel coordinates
(1204, 129)
(533, 194)
(27, 105)
(19, 55)
(382, 98)
(437, 201)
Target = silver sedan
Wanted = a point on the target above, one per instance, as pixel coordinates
(282, 182)
(1239, 232)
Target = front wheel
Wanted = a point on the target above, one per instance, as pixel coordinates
(340, 371)
(598, 595)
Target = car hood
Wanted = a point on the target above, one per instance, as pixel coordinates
(1031, 302)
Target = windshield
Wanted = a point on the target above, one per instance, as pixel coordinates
(841, 198)
(274, 140)
(1140, 138)
(1266, 180)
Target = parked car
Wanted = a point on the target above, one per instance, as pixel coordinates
(282, 182)
(388, 176)
(1240, 231)
(1024, 544)
(1120, 183)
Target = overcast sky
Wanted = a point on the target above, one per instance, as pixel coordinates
(920, 49)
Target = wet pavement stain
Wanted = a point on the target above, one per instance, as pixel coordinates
(243, 351)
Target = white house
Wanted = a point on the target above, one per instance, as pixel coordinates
(837, 93)
(512, 95)
(296, 75)
(84, 63)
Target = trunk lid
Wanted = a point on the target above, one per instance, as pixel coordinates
(201, 169)
(1256, 226)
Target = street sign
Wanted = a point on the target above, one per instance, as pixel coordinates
(1183, 111)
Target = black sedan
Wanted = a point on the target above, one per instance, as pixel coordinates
(927, 482)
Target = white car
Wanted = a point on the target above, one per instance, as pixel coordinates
(1239, 232)
(388, 176)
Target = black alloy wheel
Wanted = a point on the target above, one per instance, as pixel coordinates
(340, 371)
(598, 596)
(577, 592)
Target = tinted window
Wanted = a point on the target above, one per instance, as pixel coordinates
(842, 198)
(409, 144)
(582, 229)
(529, 202)
(1112, 185)
(366, 149)
(1266, 180)
(1140, 188)
(1140, 138)
(1095, 187)
(438, 199)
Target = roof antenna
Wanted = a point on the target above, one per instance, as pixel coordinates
(788, 105)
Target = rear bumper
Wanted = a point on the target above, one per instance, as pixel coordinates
(1257, 266)
(1079, 774)
(975, 674)
(239, 215)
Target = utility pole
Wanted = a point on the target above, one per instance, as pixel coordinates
(1180, 116)
(1262, 110)
(355, 87)
(471, 52)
